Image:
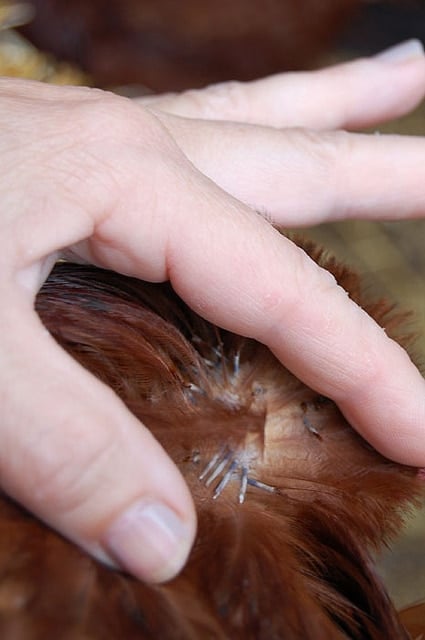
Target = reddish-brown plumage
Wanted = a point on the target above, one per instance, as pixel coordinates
(287, 527)
(168, 45)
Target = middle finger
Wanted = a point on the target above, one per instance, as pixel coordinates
(302, 177)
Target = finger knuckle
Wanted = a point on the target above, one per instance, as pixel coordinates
(108, 117)
(219, 101)
(322, 146)
(323, 156)
(67, 468)
(305, 280)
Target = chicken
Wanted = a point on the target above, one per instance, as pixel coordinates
(292, 504)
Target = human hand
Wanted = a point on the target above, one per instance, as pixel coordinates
(166, 189)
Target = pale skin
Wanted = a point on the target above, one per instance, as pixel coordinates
(169, 188)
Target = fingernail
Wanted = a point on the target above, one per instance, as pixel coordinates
(402, 52)
(149, 541)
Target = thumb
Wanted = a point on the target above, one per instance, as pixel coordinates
(74, 455)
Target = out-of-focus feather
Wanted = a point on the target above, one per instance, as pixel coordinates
(292, 503)
(164, 45)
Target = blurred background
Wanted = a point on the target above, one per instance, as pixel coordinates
(146, 46)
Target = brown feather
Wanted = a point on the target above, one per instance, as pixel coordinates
(289, 525)
(164, 45)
